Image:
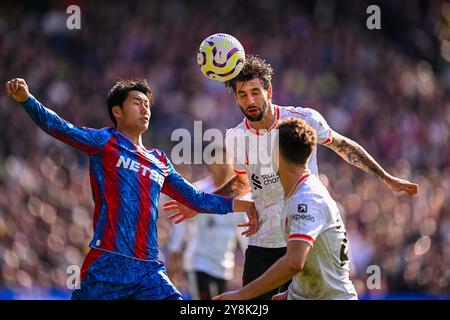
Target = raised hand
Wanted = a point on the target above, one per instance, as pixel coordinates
(17, 89)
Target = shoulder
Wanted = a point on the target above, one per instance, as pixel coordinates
(159, 156)
(102, 135)
(306, 113)
(290, 111)
(236, 131)
(158, 153)
(314, 186)
(305, 195)
(160, 159)
(316, 193)
(108, 130)
(105, 131)
(312, 191)
(315, 117)
(304, 203)
(154, 150)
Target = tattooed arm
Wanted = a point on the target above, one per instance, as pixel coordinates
(354, 154)
(236, 187)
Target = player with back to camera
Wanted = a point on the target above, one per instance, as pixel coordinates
(312, 226)
(126, 180)
(252, 89)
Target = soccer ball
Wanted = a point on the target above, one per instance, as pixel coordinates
(221, 57)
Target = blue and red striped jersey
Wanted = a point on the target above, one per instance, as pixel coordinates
(126, 182)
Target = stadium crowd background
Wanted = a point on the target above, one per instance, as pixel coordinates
(388, 89)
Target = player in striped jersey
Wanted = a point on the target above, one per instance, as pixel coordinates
(316, 258)
(126, 180)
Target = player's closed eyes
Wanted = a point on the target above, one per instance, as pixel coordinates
(253, 94)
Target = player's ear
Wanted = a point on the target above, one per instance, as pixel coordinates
(117, 112)
(269, 92)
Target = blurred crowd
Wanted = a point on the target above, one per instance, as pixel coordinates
(387, 89)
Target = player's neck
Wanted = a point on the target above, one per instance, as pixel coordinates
(289, 176)
(266, 122)
(135, 137)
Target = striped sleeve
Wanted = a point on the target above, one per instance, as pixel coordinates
(86, 139)
(176, 187)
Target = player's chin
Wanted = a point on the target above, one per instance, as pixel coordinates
(144, 127)
(254, 116)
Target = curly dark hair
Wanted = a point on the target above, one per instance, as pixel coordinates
(254, 68)
(119, 92)
(297, 140)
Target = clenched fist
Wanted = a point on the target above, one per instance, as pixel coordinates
(17, 89)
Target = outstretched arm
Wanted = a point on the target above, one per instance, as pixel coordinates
(189, 200)
(279, 273)
(236, 187)
(85, 139)
(185, 208)
(176, 187)
(354, 154)
(182, 212)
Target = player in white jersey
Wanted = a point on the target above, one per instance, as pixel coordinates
(317, 246)
(311, 215)
(253, 93)
(266, 187)
(205, 246)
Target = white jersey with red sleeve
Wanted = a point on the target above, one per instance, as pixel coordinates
(254, 159)
(311, 215)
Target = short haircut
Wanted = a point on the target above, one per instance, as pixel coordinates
(254, 68)
(297, 140)
(119, 92)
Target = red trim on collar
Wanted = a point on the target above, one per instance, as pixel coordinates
(304, 176)
(257, 132)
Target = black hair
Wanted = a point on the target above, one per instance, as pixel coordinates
(254, 68)
(119, 92)
(297, 140)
